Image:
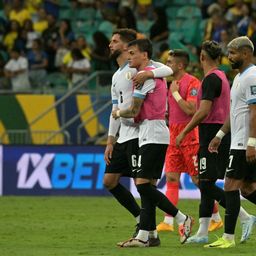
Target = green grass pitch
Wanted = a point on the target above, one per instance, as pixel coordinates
(76, 226)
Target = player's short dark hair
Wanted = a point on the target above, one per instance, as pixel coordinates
(144, 45)
(212, 48)
(126, 34)
(181, 54)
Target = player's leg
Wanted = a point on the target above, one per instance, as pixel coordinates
(121, 165)
(173, 163)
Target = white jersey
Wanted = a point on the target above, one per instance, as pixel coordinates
(121, 93)
(243, 93)
(151, 131)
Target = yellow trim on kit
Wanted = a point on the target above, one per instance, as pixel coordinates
(34, 105)
(2, 130)
(92, 128)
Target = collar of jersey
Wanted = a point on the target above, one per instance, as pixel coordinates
(251, 65)
(124, 65)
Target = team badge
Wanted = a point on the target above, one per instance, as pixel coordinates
(253, 89)
(193, 92)
(128, 75)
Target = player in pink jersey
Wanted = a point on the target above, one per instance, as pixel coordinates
(149, 108)
(182, 98)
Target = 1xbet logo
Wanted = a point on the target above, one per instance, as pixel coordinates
(60, 171)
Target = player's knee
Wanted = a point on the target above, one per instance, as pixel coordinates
(205, 185)
(110, 182)
(195, 180)
(172, 178)
(144, 189)
(247, 189)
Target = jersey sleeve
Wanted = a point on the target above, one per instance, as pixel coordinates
(142, 92)
(211, 87)
(161, 70)
(250, 90)
(193, 89)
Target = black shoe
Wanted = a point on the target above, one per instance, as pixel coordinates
(153, 242)
(137, 229)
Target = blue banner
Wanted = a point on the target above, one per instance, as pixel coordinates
(53, 170)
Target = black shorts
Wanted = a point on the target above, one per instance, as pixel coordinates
(212, 165)
(151, 161)
(238, 168)
(124, 158)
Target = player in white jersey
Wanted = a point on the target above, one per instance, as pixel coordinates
(120, 156)
(148, 107)
(241, 168)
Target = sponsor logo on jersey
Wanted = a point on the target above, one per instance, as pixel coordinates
(193, 92)
(128, 75)
(253, 89)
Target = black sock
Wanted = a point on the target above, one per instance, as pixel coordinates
(232, 210)
(206, 206)
(147, 213)
(126, 199)
(213, 191)
(252, 197)
(160, 200)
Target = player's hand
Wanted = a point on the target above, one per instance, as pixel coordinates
(179, 139)
(114, 115)
(251, 154)
(174, 86)
(139, 79)
(108, 153)
(214, 145)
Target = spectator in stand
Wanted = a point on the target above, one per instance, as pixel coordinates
(82, 45)
(50, 39)
(100, 52)
(30, 33)
(11, 35)
(52, 7)
(78, 68)
(159, 31)
(16, 70)
(38, 62)
(19, 12)
(42, 23)
(243, 23)
(126, 18)
(66, 34)
(234, 13)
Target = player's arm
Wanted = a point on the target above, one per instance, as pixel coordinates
(113, 129)
(130, 112)
(187, 106)
(160, 71)
(138, 98)
(215, 142)
(211, 89)
(251, 144)
(199, 116)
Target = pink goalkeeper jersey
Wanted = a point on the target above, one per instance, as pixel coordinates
(189, 87)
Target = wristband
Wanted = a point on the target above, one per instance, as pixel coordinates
(251, 142)
(220, 134)
(118, 113)
(176, 96)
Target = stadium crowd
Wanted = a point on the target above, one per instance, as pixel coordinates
(46, 42)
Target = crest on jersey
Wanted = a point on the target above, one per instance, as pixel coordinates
(253, 89)
(193, 92)
(128, 75)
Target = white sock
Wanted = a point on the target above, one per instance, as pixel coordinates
(143, 235)
(229, 237)
(180, 218)
(137, 219)
(216, 217)
(168, 220)
(153, 234)
(243, 215)
(203, 227)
